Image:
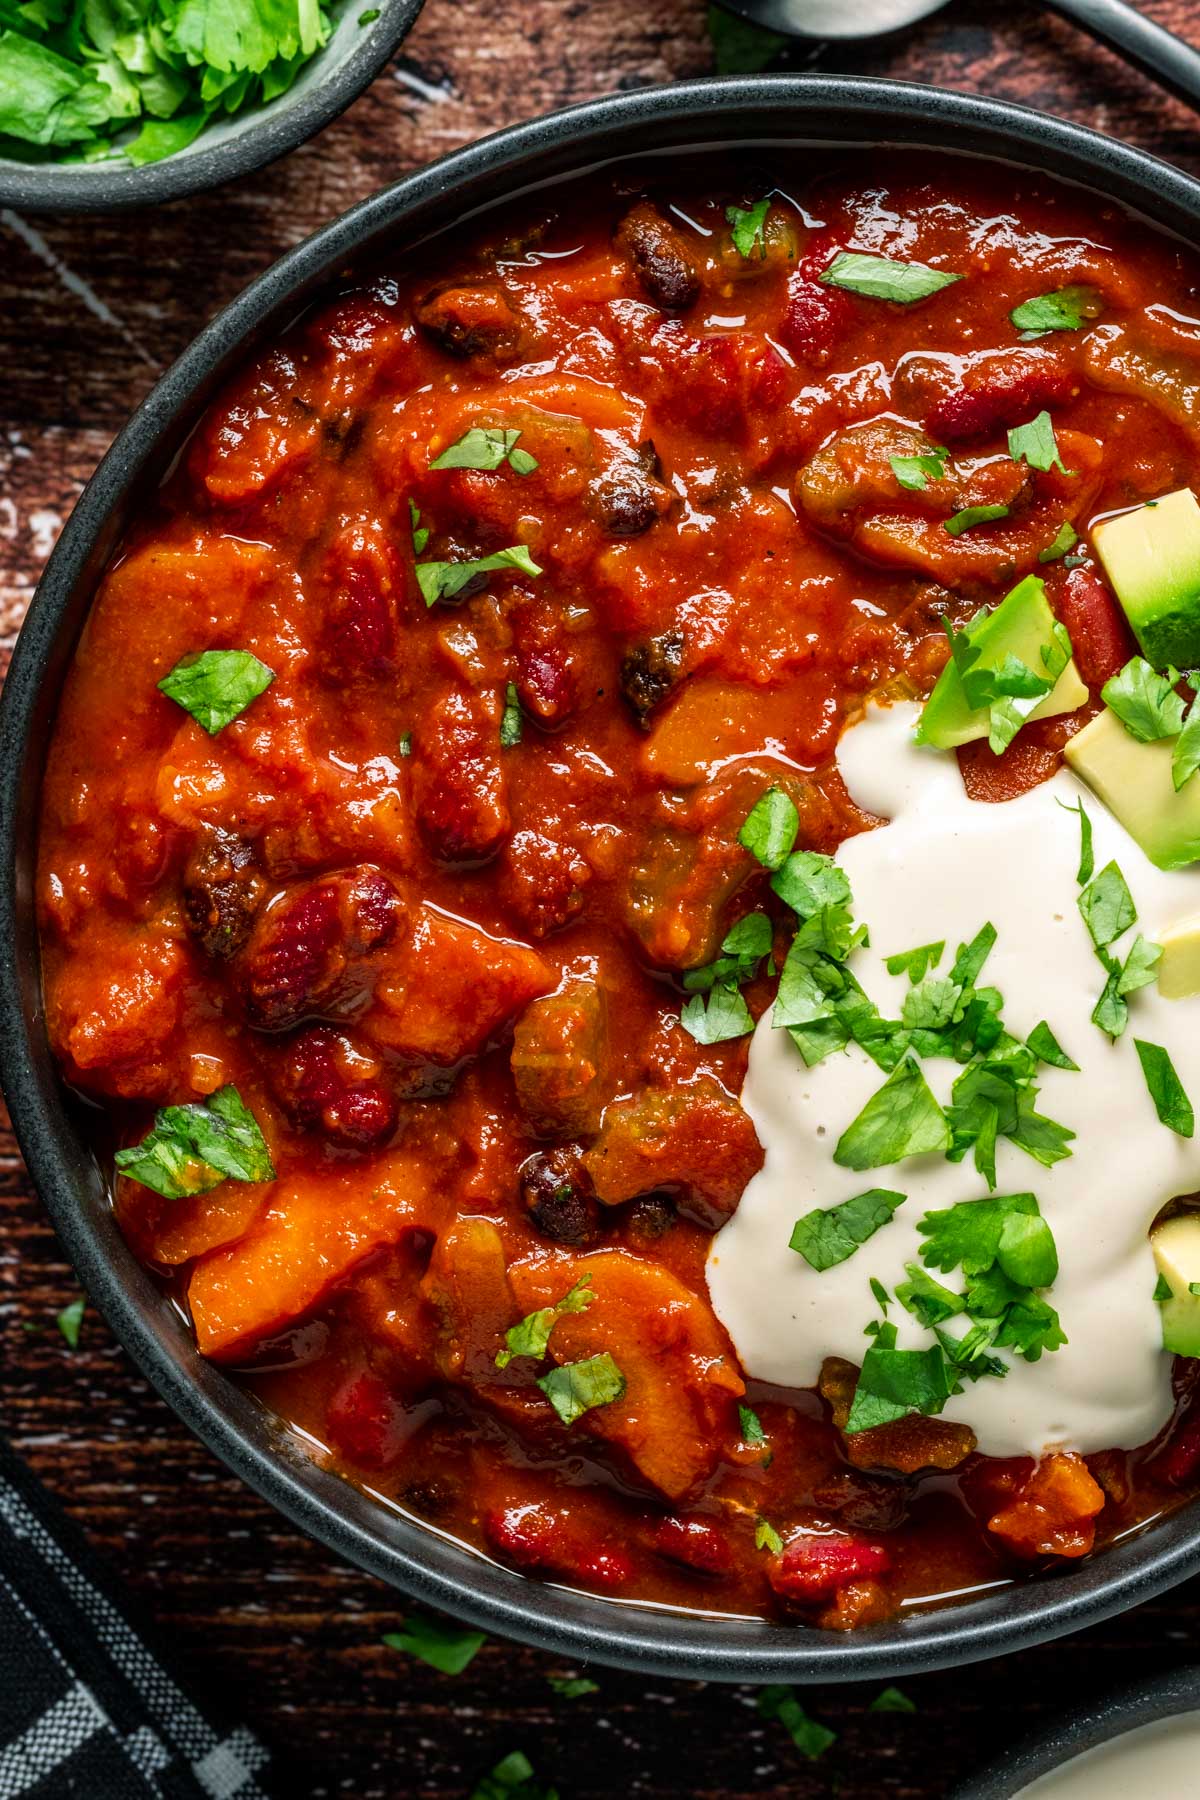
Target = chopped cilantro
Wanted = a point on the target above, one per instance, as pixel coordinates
(1162, 1290)
(917, 963)
(1066, 310)
(770, 828)
(967, 1235)
(1185, 757)
(744, 948)
(1026, 1251)
(531, 1336)
(445, 580)
(216, 686)
(903, 1119)
(894, 1383)
(926, 1299)
(512, 1779)
(486, 447)
(405, 744)
(892, 1700)
(448, 1648)
(881, 1294)
(969, 961)
(195, 1147)
(1036, 444)
(1066, 540)
(575, 1388)
(811, 1738)
(572, 1687)
(722, 1016)
(420, 533)
(1145, 701)
(751, 1426)
(882, 278)
(1165, 1088)
(809, 881)
(1087, 861)
(970, 516)
(510, 718)
(916, 472)
(1107, 906)
(69, 1321)
(830, 1234)
(1047, 1049)
(1140, 967)
(739, 47)
(749, 232)
(767, 1538)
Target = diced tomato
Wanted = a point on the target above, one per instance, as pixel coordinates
(1000, 390)
(696, 1544)
(815, 1565)
(534, 1537)
(1179, 1463)
(364, 1422)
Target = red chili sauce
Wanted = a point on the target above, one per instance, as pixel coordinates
(428, 901)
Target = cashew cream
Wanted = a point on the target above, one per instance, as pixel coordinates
(941, 868)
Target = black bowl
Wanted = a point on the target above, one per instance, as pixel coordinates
(763, 113)
(324, 88)
(1099, 1721)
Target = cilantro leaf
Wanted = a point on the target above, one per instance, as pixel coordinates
(1026, 1251)
(808, 881)
(1029, 1326)
(1171, 1103)
(811, 1738)
(917, 963)
(512, 1779)
(195, 1147)
(828, 1235)
(1140, 967)
(575, 1388)
(531, 1335)
(723, 1016)
(894, 1383)
(216, 686)
(1065, 541)
(1111, 1013)
(1047, 1049)
(1036, 443)
(967, 1235)
(749, 228)
(1185, 757)
(903, 1119)
(892, 1700)
(882, 278)
(931, 1003)
(916, 472)
(486, 447)
(745, 945)
(750, 1426)
(1067, 310)
(739, 47)
(510, 718)
(447, 1648)
(420, 533)
(767, 1538)
(572, 1687)
(770, 828)
(70, 1320)
(926, 1299)
(1145, 701)
(1162, 1290)
(1087, 861)
(968, 963)
(1107, 906)
(969, 516)
(444, 580)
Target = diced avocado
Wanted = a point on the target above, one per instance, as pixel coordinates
(1134, 782)
(1179, 966)
(1176, 1246)
(1152, 558)
(1021, 625)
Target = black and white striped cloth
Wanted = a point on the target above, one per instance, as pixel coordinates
(88, 1708)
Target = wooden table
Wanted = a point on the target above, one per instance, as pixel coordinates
(91, 311)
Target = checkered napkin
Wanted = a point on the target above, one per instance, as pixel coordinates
(88, 1709)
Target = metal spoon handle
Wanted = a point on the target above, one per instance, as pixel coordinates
(1159, 52)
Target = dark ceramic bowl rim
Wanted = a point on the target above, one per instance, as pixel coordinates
(277, 128)
(747, 111)
(1100, 1721)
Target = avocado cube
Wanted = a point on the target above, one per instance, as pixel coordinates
(1021, 624)
(1134, 782)
(1152, 558)
(1179, 965)
(1176, 1246)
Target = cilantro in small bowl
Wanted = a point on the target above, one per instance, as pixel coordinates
(110, 102)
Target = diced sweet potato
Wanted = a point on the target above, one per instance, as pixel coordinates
(906, 1445)
(858, 1603)
(468, 1285)
(317, 1229)
(256, 434)
(1054, 1513)
(560, 1060)
(449, 988)
(173, 1232)
(694, 1140)
(680, 1378)
(113, 1010)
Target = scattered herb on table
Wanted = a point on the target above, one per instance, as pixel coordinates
(448, 1648)
(69, 1321)
(810, 1737)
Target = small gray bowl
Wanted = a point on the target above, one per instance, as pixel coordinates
(232, 146)
(1088, 1727)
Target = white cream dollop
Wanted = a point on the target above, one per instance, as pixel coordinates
(941, 868)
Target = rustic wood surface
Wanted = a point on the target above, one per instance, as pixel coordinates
(91, 311)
